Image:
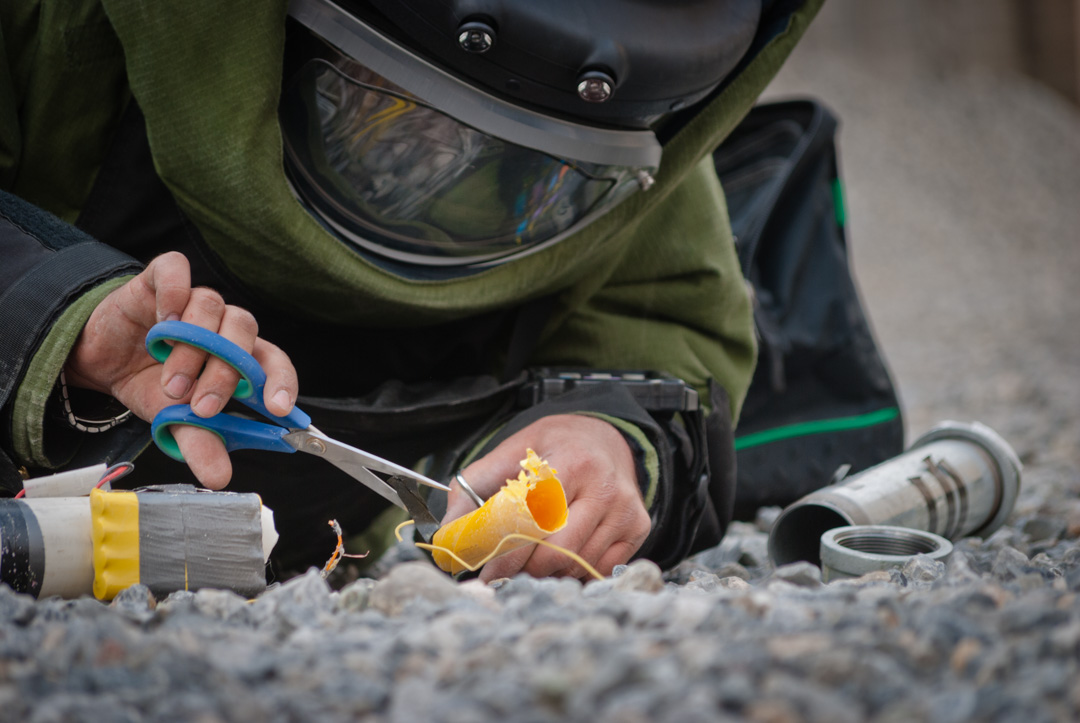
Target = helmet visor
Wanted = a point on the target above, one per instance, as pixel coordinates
(400, 178)
(404, 160)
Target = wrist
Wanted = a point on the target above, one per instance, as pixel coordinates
(88, 410)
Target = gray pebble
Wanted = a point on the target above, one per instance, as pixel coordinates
(640, 575)
(135, 602)
(1010, 563)
(307, 593)
(754, 551)
(409, 582)
(922, 570)
(220, 604)
(732, 569)
(1043, 528)
(733, 583)
(872, 578)
(598, 588)
(16, 607)
(703, 581)
(355, 596)
(802, 574)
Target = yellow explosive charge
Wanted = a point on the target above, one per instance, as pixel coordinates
(525, 510)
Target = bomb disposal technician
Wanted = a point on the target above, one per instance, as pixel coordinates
(419, 212)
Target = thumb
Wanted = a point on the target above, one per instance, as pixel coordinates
(168, 277)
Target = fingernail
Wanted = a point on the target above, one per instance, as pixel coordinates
(281, 399)
(177, 386)
(207, 406)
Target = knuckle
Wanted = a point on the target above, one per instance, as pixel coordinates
(208, 301)
(171, 257)
(641, 528)
(596, 475)
(638, 517)
(242, 318)
(631, 523)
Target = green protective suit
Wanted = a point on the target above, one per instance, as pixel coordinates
(653, 284)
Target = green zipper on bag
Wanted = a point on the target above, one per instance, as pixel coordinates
(821, 426)
(839, 205)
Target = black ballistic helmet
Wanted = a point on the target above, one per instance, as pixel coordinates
(464, 133)
(619, 62)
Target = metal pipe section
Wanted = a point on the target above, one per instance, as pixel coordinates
(955, 481)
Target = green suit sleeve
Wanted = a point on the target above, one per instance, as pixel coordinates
(28, 424)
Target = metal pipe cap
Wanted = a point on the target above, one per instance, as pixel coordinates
(854, 550)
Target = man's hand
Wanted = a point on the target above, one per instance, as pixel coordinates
(607, 517)
(110, 356)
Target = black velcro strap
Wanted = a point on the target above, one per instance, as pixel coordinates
(29, 307)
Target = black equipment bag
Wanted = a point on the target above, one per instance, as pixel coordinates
(821, 396)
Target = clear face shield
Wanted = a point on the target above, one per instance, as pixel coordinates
(405, 161)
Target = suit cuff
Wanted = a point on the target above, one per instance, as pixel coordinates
(28, 422)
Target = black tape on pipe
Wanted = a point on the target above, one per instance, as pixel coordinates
(22, 548)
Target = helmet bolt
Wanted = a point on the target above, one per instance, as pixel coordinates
(595, 86)
(645, 180)
(476, 36)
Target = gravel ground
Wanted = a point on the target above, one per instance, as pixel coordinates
(963, 191)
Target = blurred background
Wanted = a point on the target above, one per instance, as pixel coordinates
(959, 146)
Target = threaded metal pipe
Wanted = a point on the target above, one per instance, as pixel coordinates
(956, 480)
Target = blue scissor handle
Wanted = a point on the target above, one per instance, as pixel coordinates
(245, 434)
(251, 374)
(235, 432)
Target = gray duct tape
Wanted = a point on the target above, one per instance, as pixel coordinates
(191, 539)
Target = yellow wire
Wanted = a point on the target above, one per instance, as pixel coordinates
(397, 530)
(495, 553)
(514, 535)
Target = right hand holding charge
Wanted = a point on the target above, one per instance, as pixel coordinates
(110, 357)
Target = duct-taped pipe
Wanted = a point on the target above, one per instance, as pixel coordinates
(176, 539)
(956, 480)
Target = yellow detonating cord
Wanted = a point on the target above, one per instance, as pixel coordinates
(497, 551)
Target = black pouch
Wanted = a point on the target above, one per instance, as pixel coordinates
(821, 396)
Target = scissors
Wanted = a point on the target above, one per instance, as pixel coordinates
(290, 433)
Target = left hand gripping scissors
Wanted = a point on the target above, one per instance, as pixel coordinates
(290, 433)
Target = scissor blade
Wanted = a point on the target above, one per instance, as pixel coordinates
(425, 522)
(371, 462)
(356, 462)
(348, 459)
(387, 467)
